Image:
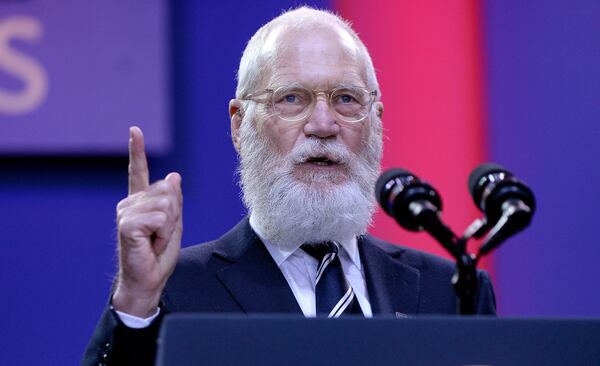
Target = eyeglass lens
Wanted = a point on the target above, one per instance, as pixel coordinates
(294, 103)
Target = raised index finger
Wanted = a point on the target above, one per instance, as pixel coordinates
(138, 165)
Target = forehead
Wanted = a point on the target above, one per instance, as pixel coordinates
(322, 56)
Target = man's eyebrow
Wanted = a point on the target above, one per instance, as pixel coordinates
(349, 85)
(296, 85)
(341, 85)
(287, 85)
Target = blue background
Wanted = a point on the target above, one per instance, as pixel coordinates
(543, 90)
(57, 214)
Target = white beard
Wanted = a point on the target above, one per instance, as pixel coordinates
(290, 211)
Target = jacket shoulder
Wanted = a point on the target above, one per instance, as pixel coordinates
(435, 270)
(230, 245)
(197, 253)
(412, 257)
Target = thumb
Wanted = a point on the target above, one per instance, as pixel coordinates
(175, 180)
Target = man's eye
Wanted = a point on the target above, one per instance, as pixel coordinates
(346, 98)
(290, 98)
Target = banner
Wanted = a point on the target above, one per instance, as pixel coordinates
(75, 74)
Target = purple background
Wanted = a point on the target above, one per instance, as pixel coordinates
(544, 101)
(57, 216)
(106, 64)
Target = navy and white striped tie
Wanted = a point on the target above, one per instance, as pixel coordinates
(334, 295)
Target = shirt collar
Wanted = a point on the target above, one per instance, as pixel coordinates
(281, 253)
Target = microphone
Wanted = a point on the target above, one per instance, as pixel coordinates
(415, 205)
(508, 204)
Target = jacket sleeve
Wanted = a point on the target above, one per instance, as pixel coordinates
(113, 343)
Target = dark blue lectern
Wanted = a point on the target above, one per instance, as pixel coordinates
(188, 339)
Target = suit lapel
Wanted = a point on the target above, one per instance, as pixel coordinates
(393, 286)
(256, 283)
(253, 279)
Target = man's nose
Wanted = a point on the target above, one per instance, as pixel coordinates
(321, 123)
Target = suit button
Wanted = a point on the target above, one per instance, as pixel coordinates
(107, 345)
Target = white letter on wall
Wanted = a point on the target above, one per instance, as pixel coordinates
(21, 66)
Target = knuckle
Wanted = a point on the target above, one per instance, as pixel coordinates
(120, 214)
(121, 211)
(125, 225)
(123, 203)
(163, 203)
(162, 186)
(161, 218)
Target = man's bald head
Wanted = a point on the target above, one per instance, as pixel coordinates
(272, 39)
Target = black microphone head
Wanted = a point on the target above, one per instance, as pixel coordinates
(491, 185)
(386, 178)
(477, 180)
(396, 189)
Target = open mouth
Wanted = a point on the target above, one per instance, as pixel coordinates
(322, 168)
(321, 161)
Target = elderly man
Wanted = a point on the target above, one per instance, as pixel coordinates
(306, 123)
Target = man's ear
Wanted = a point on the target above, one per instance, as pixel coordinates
(236, 114)
(379, 109)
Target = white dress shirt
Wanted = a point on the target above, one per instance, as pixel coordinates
(299, 269)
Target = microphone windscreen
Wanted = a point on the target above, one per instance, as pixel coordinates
(478, 173)
(381, 194)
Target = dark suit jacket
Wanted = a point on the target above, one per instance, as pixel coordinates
(236, 274)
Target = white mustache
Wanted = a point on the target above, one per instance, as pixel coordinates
(313, 148)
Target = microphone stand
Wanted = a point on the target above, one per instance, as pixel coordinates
(464, 280)
(516, 216)
(466, 285)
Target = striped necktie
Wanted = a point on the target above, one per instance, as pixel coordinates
(334, 295)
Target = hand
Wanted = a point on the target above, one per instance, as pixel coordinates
(150, 226)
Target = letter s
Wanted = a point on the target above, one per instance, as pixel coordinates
(28, 70)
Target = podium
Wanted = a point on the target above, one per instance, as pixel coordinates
(192, 339)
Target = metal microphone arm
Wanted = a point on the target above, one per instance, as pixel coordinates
(429, 218)
(515, 217)
(464, 280)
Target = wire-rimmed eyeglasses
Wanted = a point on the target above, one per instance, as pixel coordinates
(294, 103)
